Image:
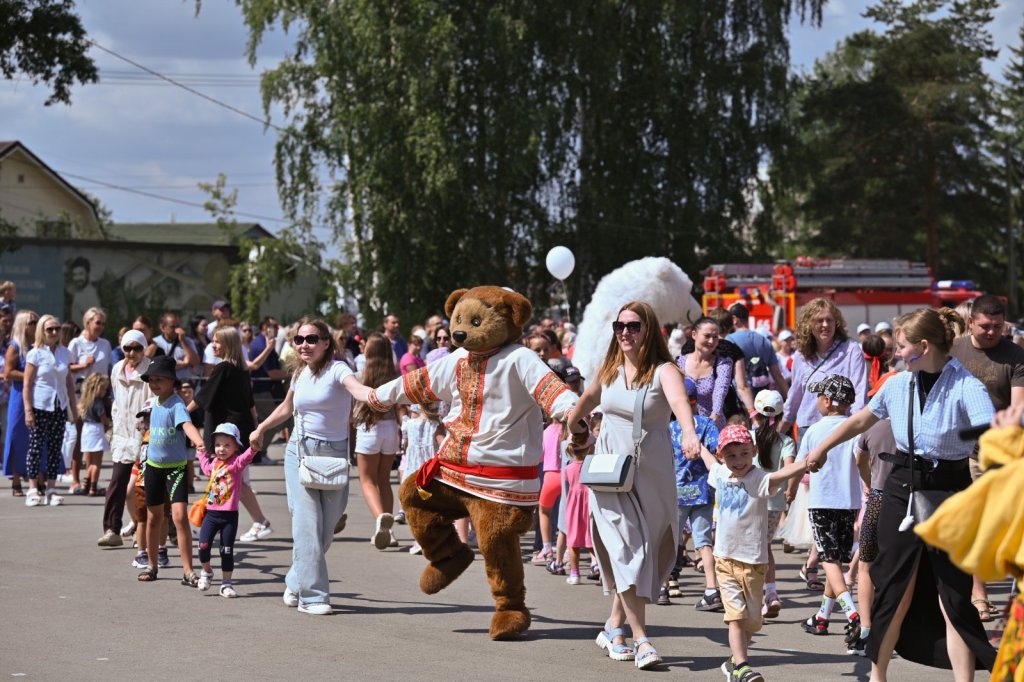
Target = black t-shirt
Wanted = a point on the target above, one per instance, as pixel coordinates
(226, 397)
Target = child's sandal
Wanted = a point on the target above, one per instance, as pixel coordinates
(148, 576)
(190, 579)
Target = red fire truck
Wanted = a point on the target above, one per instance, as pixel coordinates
(868, 291)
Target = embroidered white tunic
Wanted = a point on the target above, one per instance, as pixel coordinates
(496, 418)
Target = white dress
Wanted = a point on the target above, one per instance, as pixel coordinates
(635, 534)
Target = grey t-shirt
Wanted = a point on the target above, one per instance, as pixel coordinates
(876, 440)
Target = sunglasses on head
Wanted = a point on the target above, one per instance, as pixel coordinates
(132, 349)
(632, 327)
(311, 339)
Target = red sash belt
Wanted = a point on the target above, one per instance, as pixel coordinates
(432, 468)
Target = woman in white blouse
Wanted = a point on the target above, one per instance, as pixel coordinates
(49, 391)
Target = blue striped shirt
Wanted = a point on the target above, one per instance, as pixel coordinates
(957, 401)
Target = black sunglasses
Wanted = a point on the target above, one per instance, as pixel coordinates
(443, 339)
(51, 330)
(632, 327)
(311, 339)
(132, 349)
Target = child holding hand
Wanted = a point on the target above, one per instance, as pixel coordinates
(741, 541)
(577, 508)
(225, 471)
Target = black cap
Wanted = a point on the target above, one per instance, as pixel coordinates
(835, 387)
(162, 366)
(572, 374)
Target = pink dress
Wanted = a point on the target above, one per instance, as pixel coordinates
(577, 508)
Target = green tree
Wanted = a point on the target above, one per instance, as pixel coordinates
(1011, 144)
(889, 153)
(45, 40)
(452, 143)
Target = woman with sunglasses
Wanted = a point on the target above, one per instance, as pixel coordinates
(16, 439)
(49, 391)
(636, 533)
(130, 394)
(711, 371)
(442, 345)
(320, 399)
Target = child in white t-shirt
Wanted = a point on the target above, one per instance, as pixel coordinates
(833, 503)
(741, 542)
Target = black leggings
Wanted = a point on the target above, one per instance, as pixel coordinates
(226, 523)
(48, 432)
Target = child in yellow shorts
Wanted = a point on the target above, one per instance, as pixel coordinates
(741, 542)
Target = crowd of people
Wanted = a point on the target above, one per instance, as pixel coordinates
(810, 435)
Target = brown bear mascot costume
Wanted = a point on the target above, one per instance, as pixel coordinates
(487, 466)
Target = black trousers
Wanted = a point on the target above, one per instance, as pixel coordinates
(117, 490)
(923, 633)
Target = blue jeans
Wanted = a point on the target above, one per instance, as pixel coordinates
(314, 515)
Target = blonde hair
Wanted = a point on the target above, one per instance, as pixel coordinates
(230, 345)
(6, 286)
(95, 388)
(653, 351)
(40, 334)
(936, 326)
(90, 315)
(19, 332)
(805, 341)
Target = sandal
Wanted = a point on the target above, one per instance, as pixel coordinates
(686, 561)
(16, 490)
(985, 614)
(190, 579)
(76, 490)
(616, 652)
(98, 492)
(810, 578)
(148, 576)
(647, 659)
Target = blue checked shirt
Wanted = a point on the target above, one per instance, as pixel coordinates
(957, 401)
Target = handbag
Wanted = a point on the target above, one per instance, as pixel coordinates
(614, 473)
(922, 503)
(318, 472)
(197, 511)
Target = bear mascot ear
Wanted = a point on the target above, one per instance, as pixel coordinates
(520, 310)
(453, 299)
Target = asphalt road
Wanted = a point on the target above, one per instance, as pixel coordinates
(74, 611)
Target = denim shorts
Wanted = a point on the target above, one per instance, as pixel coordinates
(700, 523)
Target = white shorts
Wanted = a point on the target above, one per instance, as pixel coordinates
(94, 437)
(382, 438)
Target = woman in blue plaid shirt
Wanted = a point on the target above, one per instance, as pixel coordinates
(910, 580)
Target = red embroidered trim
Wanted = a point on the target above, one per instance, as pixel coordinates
(548, 390)
(417, 387)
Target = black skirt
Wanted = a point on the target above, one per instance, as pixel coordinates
(923, 633)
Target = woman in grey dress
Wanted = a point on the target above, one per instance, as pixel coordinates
(635, 534)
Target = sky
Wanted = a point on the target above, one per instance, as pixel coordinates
(139, 134)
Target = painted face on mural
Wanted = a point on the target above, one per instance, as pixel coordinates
(79, 277)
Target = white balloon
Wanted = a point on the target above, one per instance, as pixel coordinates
(560, 262)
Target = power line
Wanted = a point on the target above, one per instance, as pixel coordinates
(195, 92)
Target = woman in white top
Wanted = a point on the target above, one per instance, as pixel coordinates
(49, 390)
(320, 398)
(90, 354)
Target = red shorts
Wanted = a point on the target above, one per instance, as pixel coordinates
(551, 489)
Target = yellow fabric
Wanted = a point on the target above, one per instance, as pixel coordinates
(982, 528)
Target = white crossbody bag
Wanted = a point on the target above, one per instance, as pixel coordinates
(316, 471)
(614, 473)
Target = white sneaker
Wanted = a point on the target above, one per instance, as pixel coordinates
(204, 581)
(53, 499)
(316, 609)
(258, 531)
(228, 591)
(394, 540)
(33, 498)
(573, 580)
(129, 530)
(382, 535)
(415, 549)
(291, 598)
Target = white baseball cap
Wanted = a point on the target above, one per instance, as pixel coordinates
(863, 327)
(882, 327)
(229, 429)
(769, 403)
(785, 335)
